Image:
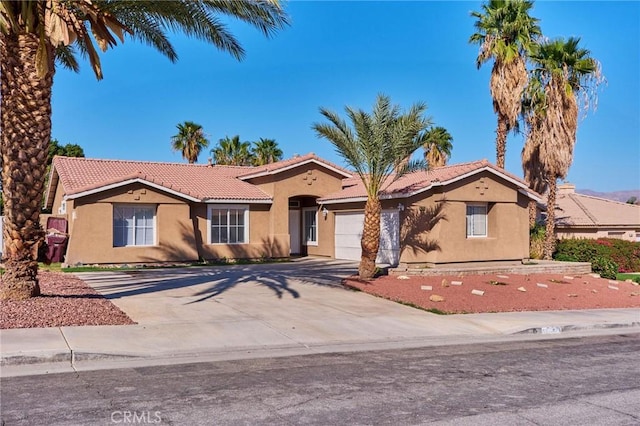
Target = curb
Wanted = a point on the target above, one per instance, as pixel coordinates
(566, 328)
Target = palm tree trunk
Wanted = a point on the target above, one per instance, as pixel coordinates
(533, 213)
(370, 242)
(26, 130)
(501, 140)
(550, 235)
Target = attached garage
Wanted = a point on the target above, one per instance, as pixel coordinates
(348, 233)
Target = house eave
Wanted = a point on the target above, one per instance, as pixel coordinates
(128, 182)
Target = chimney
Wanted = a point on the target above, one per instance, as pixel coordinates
(566, 188)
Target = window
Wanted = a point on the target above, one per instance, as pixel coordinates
(133, 225)
(311, 226)
(228, 224)
(476, 220)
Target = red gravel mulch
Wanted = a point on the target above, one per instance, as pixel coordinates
(65, 300)
(501, 292)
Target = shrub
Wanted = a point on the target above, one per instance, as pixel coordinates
(626, 254)
(604, 266)
(536, 241)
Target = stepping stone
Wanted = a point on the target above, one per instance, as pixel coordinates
(503, 276)
(426, 287)
(567, 277)
(456, 282)
(477, 292)
(613, 282)
(403, 277)
(522, 289)
(613, 287)
(436, 298)
(542, 285)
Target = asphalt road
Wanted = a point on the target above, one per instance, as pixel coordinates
(581, 381)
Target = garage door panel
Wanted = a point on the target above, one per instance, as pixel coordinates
(348, 228)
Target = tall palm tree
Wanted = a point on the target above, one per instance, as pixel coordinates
(232, 152)
(266, 151)
(189, 140)
(437, 146)
(505, 32)
(373, 145)
(33, 35)
(568, 77)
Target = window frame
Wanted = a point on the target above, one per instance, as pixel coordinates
(305, 240)
(228, 207)
(152, 207)
(485, 206)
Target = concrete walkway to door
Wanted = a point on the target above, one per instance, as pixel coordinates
(228, 312)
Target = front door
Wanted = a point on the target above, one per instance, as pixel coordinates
(294, 232)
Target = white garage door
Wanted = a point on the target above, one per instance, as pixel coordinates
(349, 232)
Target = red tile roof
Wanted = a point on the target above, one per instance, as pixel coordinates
(200, 182)
(420, 181)
(287, 164)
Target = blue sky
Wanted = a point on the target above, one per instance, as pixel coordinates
(345, 53)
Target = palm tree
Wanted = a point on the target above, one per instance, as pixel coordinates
(33, 35)
(266, 151)
(190, 140)
(232, 152)
(505, 32)
(437, 146)
(373, 145)
(567, 76)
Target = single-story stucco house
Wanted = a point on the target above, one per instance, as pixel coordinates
(140, 212)
(584, 216)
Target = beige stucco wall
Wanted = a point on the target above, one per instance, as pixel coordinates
(629, 234)
(309, 180)
(446, 241)
(91, 228)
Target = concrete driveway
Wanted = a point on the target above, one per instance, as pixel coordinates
(300, 302)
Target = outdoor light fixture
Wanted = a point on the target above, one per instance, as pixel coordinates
(401, 207)
(325, 212)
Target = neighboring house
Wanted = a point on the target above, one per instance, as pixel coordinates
(584, 216)
(142, 212)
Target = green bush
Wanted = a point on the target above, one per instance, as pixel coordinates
(604, 266)
(536, 241)
(625, 254)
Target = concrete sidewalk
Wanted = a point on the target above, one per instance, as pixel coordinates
(196, 315)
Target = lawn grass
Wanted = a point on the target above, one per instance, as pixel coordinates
(623, 277)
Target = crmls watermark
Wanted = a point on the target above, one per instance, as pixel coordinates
(136, 417)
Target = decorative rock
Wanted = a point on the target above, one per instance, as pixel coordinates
(445, 283)
(594, 291)
(635, 293)
(566, 277)
(403, 277)
(502, 276)
(426, 287)
(613, 282)
(522, 289)
(595, 275)
(477, 292)
(456, 282)
(572, 295)
(436, 298)
(613, 287)
(542, 285)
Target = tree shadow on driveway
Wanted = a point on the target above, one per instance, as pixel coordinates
(277, 277)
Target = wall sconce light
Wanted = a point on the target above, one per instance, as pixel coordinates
(325, 212)
(401, 207)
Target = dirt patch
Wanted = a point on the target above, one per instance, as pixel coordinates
(503, 293)
(65, 300)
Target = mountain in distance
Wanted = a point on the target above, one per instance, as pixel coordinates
(621, 196)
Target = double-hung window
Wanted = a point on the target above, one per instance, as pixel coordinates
(228, 224)
(476, 220)
(133, 225)
(310, 220)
